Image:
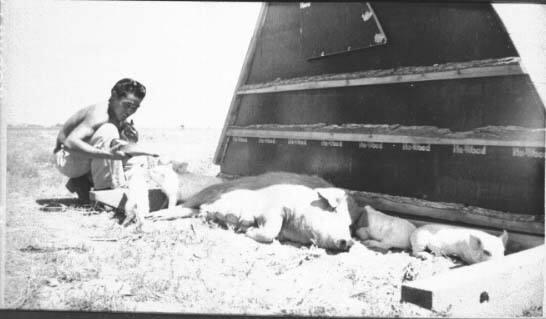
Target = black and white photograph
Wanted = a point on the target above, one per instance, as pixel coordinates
(155, 158)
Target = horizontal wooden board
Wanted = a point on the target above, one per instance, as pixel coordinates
(418, 138)
(505, 287)
(376, 77)
(453, 212)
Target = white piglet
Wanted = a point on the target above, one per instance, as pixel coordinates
(383, 231)
(471, 245)
(166, 176)
(138, 204)
(177, 183)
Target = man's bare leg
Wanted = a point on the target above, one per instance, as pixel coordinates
(106, 173)
(81, 186)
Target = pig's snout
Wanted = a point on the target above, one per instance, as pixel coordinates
(344, 245)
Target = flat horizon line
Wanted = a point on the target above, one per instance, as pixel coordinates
(45, 126)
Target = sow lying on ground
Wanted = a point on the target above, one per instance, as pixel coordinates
(300, 208)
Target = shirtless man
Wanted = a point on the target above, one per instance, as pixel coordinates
(87, 149)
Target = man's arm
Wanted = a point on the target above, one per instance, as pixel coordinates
(75, 141)
(60, 137)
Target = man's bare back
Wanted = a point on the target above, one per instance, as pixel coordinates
(80, 127)
(87, 139)
(90, 117)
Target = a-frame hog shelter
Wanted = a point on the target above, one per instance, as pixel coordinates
(421, 109)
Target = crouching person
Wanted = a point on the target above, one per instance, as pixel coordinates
(88, 145)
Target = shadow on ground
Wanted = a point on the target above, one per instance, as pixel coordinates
(70, 204)
(61, 203)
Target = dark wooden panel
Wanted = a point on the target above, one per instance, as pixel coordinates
(237, 158)
(418, 34)
(455, 104)
(496, 180)
(321, 37)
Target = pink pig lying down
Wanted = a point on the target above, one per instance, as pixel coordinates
(287, 212)
(188, 190)
(276, 205)
(472, 246)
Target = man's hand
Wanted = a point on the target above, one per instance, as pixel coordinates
(128, 132)
(117, 153)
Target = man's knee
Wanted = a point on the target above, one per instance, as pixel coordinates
(104, 135)
(107, 130)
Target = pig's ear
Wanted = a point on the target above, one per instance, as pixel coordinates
(180, 167)
(475, 243)
(504, 237)
(332, 195)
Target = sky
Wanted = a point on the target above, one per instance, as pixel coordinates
(61, 55)
(526, 24)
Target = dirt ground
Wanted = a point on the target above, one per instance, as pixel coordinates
(82, 259)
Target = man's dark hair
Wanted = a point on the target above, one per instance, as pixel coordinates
(126, 86)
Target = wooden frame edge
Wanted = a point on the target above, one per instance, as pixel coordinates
(503, 287)
(230, 117)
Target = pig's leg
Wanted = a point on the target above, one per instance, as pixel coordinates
(130, 215)
(419, 241)
(362, 233)
(172, 200)
(267, 232)
(423, 255)
(377, 244)
(418, 250)
(174, 213)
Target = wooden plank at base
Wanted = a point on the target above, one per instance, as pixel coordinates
(504, 287)
(452, 212)
(117, 198)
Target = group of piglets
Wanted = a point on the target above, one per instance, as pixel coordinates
(470, 245)
(301, 208)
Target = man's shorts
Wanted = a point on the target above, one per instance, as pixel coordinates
(72, 165)
(106, 173)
